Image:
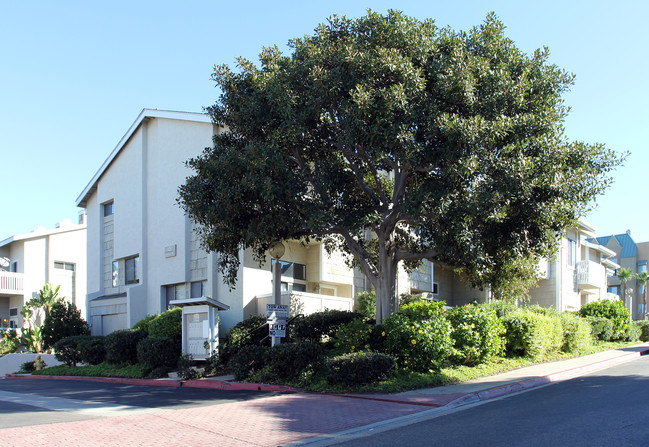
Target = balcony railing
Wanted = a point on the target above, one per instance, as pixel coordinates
(11, 283)
(590, 275)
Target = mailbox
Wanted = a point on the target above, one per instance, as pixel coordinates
(200, 325)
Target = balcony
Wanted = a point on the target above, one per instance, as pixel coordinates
(591, 276)
(303, 303)
(11, 283)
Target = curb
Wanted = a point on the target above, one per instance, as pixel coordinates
(195, 383)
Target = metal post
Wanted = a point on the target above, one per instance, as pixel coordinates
(277, 293)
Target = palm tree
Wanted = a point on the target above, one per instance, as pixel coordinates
(643, 279)
(624, 275)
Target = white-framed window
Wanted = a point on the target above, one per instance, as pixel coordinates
(64, 266)
(132, 270)
(291, 269)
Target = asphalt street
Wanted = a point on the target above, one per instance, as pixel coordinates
(34, 402)
(606, 408)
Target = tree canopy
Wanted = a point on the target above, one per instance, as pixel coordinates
(394, 141)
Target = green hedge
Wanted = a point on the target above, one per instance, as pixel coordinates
(316, 326)
(644, 329)
(67, 351)
(419, 336)
(92, 349)
(248, 360)
(577, 333)
(360, 368)
(121, 346)
(601, 328)
(288, 361)
(478, 334)
(532, 334)
(155, 352)
(167, 324)
(613, 311)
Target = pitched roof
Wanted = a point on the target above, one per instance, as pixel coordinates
(629, 247)
(144, 115)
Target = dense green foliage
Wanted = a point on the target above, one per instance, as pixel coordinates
(63, 320)
(477, 334)
(91, 349)
(251, 331)
(443, 144)
(353, 336)
(121, 346)
(155, 352)
(358, 368)
(532, 334)
(9, 341)
(644, 329)
(67, 350)
(611, 310)
(601, 328)
(577, 333)
(167, 324)
(419, 336)
(288, 361)
(248, 360)
(366, 304)
(316, 326)
(143, 324)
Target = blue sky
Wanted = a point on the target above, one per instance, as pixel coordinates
(74, 75)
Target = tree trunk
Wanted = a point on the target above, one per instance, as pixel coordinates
(386, 283)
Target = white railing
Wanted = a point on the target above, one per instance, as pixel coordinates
(591, 275)
(11, 283)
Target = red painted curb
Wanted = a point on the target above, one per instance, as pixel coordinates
(197, 383)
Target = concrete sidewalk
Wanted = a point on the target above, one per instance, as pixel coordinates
(300, 418)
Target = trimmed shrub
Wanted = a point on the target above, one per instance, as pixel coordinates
(478, 334)
(288, 361)
(601, 328)
(9, 341)
(91, 349)
(64, 320)
(408, 298)
(248, 360)
(143, 324)
(532, 334)
(419, 336)
(167, 324)
(316, 326)
(644, 328)
(67, 350)
(244, 334)
(360, 368)
(353, 336)
(632, 332)
(502, 308)
(366, 304)
(377, 338)
(28, 367)
(577, 333)
(155, 352)
(612, 310)
(121, 346)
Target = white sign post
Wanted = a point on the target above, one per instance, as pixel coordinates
(276, 316)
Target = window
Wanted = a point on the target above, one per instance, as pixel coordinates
(642, 266)
(292, 269)
(172, 292)
(435, 288)
(198, 289)
(109, 209)
(64, 266)
(13, 267)
(115, 273)
(614, 289)
(13, 312)
(297, 287)
(572, 252)
(132, 270)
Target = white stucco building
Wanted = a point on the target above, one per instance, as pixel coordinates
(143, 252)
(29, 261)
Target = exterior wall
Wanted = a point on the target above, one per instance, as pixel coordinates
(35, 254)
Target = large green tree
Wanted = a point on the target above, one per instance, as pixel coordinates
(394, 141)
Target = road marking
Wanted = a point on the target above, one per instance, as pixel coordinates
(88, 408)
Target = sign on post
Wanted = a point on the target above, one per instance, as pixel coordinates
(276, 316)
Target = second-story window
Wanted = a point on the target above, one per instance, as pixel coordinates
(115, 273)
(572, 252)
